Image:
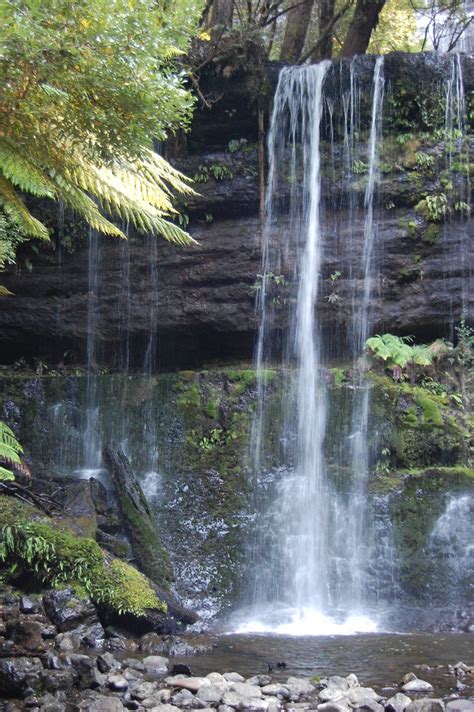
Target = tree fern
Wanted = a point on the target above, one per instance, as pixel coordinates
(10, 452)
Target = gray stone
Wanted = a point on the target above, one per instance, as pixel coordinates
(134, 664)
(352, 680)
(211, 694)
(156, 664)
(260, 680)
(426, 704)
(117, 682)
(233, 677)
(276, 689)
(245, 690)
(460, 706)
(143, 690)
(183, 698)
(331, 693)
(165, 708)
(417, 685)
(102, 704)
(299, 687)
(334, 706)
(226, 708)
(358, 696)
(369, 705)
(231, 699)
(216, 677)
(397, 703)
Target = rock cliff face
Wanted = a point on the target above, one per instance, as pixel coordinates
(199, 301)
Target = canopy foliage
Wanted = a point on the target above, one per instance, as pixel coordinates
(87, 86)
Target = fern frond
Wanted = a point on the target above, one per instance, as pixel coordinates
(17, 211)
(4, 292)
(23, 172)
(6, 475)
(79, 202)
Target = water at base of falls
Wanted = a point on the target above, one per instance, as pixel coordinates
(302, 621)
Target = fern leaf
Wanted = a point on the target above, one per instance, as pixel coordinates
(23, 172)
(4, 292)
(6, 475)
(17, 211)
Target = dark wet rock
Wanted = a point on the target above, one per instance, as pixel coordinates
(54, 680)
(134, 664)
(27, 605)
(107, 662)
(26, 634)
(67, 611)
(181, 669)
(19, 676)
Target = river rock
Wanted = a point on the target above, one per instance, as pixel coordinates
(276, 690)
(117, 682)
(460, 706)
(233, 677)
(183, 698)
(156, 664)
(243, 689)
(426, 704)
(417, 685)
(102, 704)
(299, 686)
(211, 694)
(334, 706)
(26, 634)
(143, 690)
(134, 664)
(54, 680)
(19, 676)
(368, 705)
(164, 708)
(216, 678)
(260, 680)
(107, 662)
(358, 696)
(397, 703)
(67, 611)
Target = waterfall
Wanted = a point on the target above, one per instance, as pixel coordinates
(356, 523)
(314, 545)
(451, 549)
(91, 436)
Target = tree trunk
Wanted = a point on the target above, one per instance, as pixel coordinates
(297, 24)
(326, 14)
(365, 20)
(221, 13)
(148, 550)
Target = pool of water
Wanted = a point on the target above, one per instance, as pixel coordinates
(378, 659)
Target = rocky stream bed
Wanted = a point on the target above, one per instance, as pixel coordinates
(56, 656)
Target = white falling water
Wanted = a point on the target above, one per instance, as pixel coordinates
(452, 543)
(317, 536)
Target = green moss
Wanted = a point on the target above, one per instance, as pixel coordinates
(211, 408)
(431, 411)
(34, 545)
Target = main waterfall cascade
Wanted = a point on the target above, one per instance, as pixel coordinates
(322, 562)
